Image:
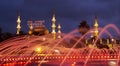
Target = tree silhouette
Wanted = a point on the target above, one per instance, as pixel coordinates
(83, 27)
(7, 35)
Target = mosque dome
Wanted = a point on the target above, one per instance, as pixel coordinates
(40, 31)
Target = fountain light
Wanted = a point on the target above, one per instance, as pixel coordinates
(38, 50)
(44, 39)
(57, 51)
(112, 63)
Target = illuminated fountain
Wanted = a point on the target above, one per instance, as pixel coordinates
(60, 49)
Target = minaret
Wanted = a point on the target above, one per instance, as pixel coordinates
(18, 24)
(53, 27)
(30, 24)
(59, 30)
(96, 25)
(95, 32)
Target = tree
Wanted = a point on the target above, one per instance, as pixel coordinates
(7, 35)
(83, 27)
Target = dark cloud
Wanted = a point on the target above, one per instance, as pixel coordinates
(68, 12)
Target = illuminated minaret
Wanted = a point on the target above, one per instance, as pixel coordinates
(18, 24)
(96, 25)
(53, 27)
(59, 30)
(30, 24)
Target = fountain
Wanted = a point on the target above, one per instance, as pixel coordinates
(43, 50)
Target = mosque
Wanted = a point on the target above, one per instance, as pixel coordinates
(38, 28)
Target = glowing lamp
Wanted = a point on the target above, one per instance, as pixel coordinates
(38, 50)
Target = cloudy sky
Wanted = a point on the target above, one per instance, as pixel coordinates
(68, 12)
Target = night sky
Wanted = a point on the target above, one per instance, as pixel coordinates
(68, 12)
